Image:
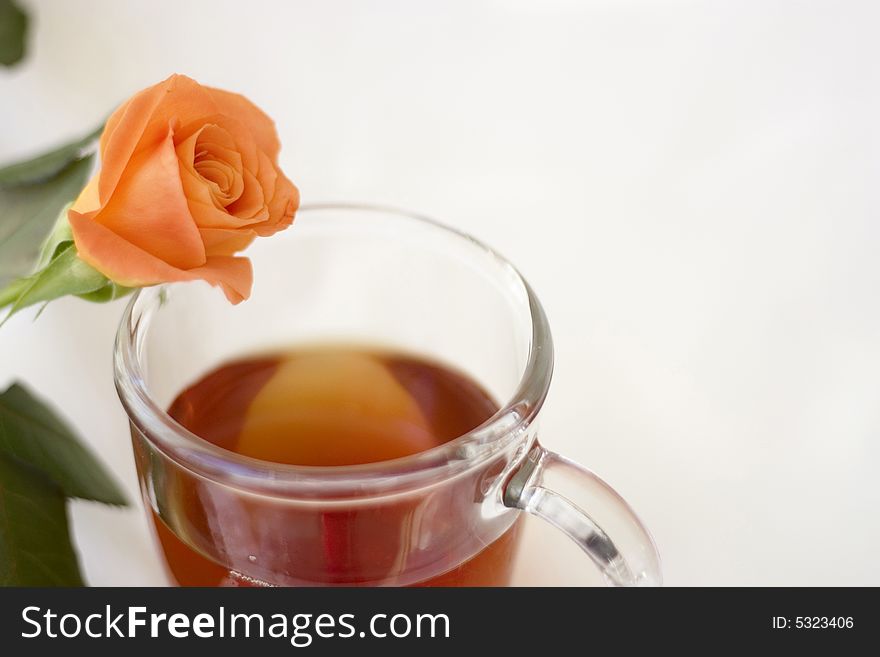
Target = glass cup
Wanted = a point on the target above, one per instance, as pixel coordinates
(446, 516)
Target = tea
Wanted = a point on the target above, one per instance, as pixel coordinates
(336, 407)
(332, 407)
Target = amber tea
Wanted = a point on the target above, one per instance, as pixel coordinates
(334, 407)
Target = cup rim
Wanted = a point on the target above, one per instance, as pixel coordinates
(334, 482)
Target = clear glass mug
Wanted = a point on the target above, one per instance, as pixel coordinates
(447, 516)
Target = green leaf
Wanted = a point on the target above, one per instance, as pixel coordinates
(32, 433)
(13, 32)
(28, 212)
(11, 293)
(47, 165)
(66, 274)
(60, 236)
(35, 547)
(109, 292)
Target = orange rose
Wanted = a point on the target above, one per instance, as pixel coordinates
(189, 176)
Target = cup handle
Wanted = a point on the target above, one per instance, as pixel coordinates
(546, 484)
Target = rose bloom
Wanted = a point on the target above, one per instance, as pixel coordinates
(189, 176)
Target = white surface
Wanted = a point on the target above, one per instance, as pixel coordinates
(691, 187)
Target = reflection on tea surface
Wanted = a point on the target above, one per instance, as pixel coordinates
(332, 407)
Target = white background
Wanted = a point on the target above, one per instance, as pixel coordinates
(691, 187)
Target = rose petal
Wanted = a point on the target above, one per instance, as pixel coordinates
(124, 130)
(185, 102)
(226, 241)
(126, 264)
(143, 120)
(212, 149)
(149, 208)
(258, 122)
(207, 215)
(240, 134)
(88, 199)
(224, 181)
(251, 205)
(267, 174)
(282, 208)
